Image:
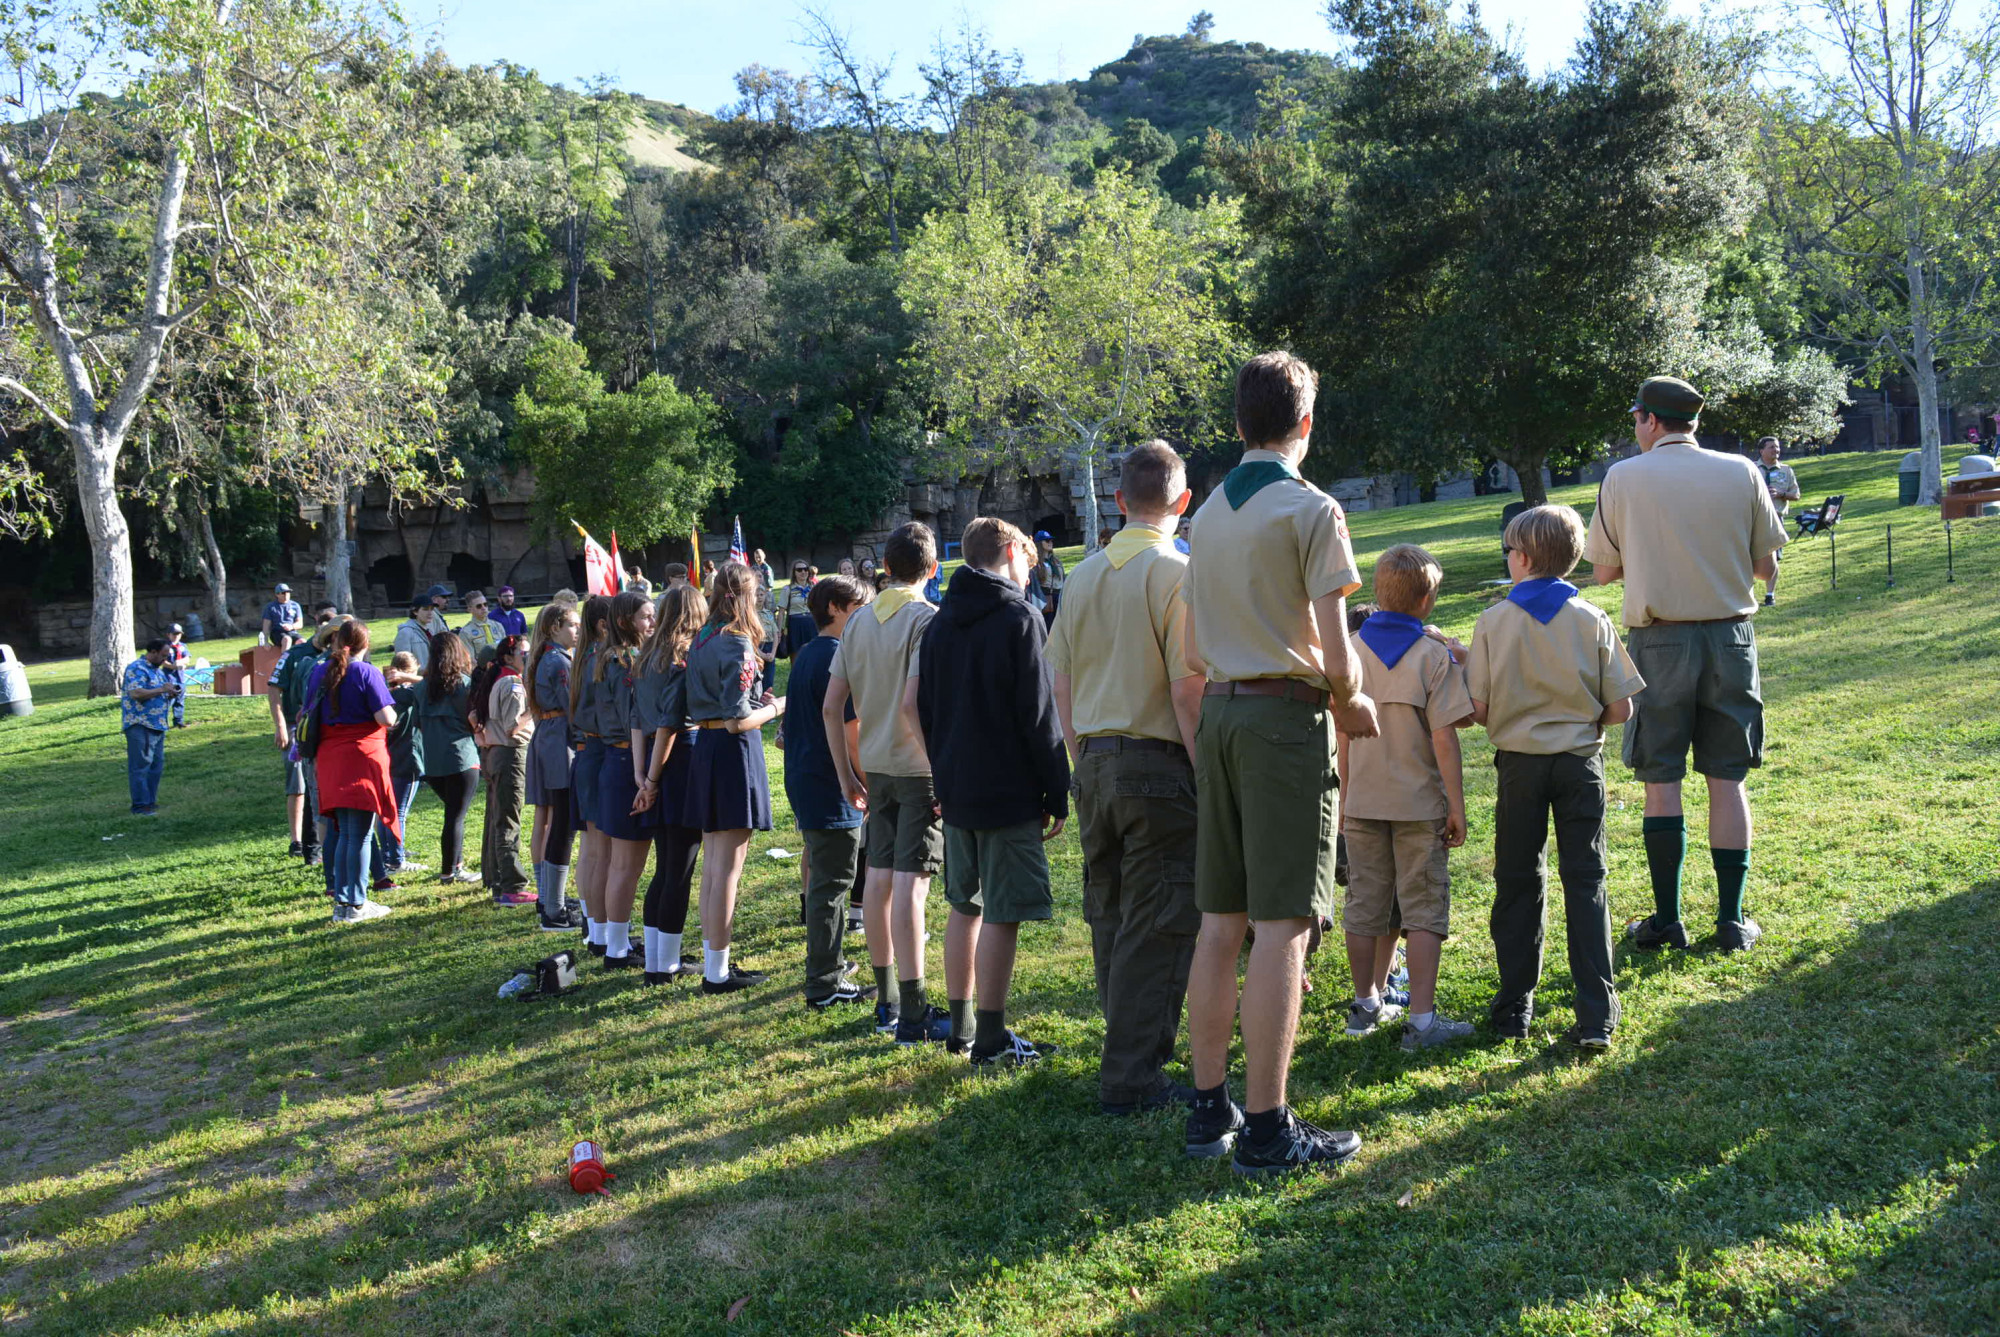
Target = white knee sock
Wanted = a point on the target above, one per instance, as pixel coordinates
(670, 950)
(593, 931)
(715, 964)
(651, 938)
(617, 939)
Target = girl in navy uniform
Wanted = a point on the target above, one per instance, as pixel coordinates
(549, 757)
(625, 824)
(669, 753)
(728, 795)
(584, 769)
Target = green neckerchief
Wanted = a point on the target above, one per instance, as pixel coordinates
(1247, 480)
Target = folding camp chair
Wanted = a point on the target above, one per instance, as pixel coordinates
(1820, 519)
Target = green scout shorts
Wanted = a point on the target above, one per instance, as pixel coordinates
(1701, 691)
(1001, 874)
(903, 824)
(1268, 808)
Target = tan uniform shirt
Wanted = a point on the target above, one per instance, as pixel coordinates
(1119, 637)
(1545, 687)
(878, 659)
(1689, 526)
(1394, 776)
(1254, 575)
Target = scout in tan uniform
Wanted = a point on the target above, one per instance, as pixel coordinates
(1265, 589)
(1547, 675)
(1783, 485)
(1403, 799)
(876, 659)
(1688, 531)
(1129, 705)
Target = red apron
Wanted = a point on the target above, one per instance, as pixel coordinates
(352, 771)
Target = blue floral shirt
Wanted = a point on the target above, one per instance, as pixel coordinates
(152, 713)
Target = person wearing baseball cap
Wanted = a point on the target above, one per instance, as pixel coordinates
(176, 666)
(440, 598)
(1047, 576)
(1688, 531)
(508, 616)
(283, 618)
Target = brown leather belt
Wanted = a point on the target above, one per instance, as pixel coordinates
(713, 724)
(1287, 689)
(1121, 743)
(1699, 622)
(550, 714)
(625, 746)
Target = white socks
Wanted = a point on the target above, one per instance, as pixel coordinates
(593, 931)
(715, 964)
(1372, 1003)
(670, 949)
(618, 939)
(651, 937)
(1422, 1020)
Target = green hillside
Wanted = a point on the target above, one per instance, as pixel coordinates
(1184, 86)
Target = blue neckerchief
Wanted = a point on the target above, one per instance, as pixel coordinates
(1543, 598)
(1390, 635)
(1247, 480)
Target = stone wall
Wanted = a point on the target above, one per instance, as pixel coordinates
(64, 628)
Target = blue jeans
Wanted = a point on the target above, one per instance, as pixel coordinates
(145, 758)
(179, 707)
(350, 842)
(387, 840)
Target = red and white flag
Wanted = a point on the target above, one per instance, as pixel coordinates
(600, 571)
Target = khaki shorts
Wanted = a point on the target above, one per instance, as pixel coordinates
(1396, 869)
(903, 833)
(1268, 809)
(1702, 692)
(1001, 873)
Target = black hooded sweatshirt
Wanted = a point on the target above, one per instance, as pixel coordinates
(986, 702)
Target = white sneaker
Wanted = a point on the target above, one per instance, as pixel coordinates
(1365, 1021)
(357, 914)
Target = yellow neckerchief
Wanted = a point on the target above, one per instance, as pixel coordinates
(1132, 540)
(891, 600)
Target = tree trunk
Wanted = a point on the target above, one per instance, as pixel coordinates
(1923, 370)
(1528, 469)
(339, 581)
(111, 637)
(1086, 505)
(215, 575)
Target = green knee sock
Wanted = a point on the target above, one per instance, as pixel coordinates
(1666, 849)
(1732, 870)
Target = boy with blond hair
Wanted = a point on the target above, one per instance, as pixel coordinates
(1404, 793)
(1547, 674)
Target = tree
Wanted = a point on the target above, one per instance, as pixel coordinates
(644, 462)
(234, 111)
(1202, 26)
(1484, 263)
(1884, 177)
(1083, 321)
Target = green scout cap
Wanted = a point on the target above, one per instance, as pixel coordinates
(1669, 397)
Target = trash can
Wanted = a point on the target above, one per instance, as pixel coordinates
(1909, 479)
(15, 699)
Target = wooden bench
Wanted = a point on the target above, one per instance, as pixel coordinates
(1964, 496)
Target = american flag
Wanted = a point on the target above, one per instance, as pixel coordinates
(737, 552)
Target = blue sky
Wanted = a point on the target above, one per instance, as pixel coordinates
(686, 52)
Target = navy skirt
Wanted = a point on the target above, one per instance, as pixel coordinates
(674, 777)
(549, 758)
(726, 786)
(616, 791)
(583, 781)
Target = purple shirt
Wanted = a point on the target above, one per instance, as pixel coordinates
(513, 619)
(362, 693)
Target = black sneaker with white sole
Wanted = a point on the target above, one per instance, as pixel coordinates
(1650, 935)
(560, 922)
(1018, 1052)
(1296, 1145)
(846, 993)
(1588, 1038)
(1212, 1130)
(733, 984)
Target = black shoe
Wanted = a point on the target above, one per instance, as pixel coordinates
(932, 1027)
(1211, 1133)
(846, 993)
(737, 972)
(562, 922)
(1588, 1038)
(1770, 599)
(632, 960)
(297, 850)
(1738, 935)
(1018, 1052)
(314, 859)
(1296, 1145)
(1649, 935)
(1512, 1024)
(730, 985)
(1167, 1095)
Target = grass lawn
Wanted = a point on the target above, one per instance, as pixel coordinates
(224, 1115)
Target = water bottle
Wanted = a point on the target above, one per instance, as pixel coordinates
(520, 984)
(586, 1168)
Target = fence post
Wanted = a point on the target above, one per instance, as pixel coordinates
(1950, 573)
(1891, 531)
(1833, 548)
